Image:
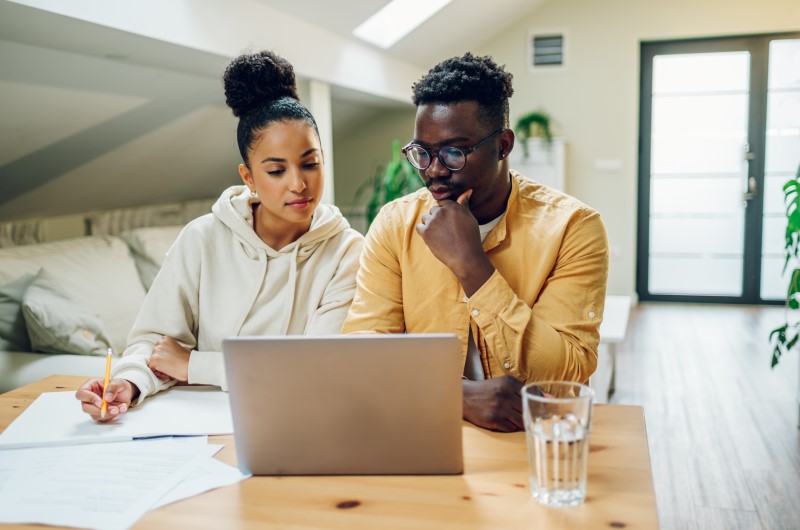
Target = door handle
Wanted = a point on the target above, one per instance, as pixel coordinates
(752, 189)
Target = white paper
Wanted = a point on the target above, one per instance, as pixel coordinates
(56, 418)
(98, 486)
(212, 474)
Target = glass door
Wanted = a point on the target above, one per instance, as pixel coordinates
(702, 216)
(782, 159)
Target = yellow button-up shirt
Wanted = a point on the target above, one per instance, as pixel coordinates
(536, 318)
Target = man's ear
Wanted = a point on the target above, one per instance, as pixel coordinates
(506, 143)
(247, 177)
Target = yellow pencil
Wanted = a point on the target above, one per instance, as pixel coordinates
(104, 406)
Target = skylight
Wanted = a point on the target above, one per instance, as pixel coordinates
(397, 19)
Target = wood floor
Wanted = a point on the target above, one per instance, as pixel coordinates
(722, 426)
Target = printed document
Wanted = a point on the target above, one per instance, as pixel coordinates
(98, 486)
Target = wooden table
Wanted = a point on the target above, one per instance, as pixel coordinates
(492, 492)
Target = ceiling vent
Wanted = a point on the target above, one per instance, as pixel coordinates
(546, 50)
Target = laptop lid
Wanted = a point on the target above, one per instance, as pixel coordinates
(346, 404)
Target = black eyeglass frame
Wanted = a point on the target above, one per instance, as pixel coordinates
(464, 151)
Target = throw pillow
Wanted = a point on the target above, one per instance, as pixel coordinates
(149, 248)
(13, 336)
(96, 272)
(57, 324)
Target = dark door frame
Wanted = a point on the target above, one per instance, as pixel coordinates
(758, 46)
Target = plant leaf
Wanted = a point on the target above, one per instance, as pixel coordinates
(392, 181)
(780, 329)
(779, 336)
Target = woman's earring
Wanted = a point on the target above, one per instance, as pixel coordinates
(253, 193)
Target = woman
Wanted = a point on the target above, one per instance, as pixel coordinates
(269, 259)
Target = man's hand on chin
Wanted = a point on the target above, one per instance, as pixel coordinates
(452, 235)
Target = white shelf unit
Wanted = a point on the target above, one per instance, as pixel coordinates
(545, 163)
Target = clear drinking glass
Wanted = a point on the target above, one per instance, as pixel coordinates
(558, 418)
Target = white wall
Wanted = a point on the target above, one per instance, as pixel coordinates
(595, 101)
(366, 146)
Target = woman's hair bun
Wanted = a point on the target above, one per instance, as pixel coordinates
(252, 80)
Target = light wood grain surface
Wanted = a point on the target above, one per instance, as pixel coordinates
(492, 492)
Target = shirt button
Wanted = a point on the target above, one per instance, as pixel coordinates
(591, 314)
(475, 312)
(465, 300)
(506, 365)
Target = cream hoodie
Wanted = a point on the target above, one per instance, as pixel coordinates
(219, 280)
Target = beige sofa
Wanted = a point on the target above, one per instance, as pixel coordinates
(62, 304)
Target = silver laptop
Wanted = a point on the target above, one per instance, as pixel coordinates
(346, 404)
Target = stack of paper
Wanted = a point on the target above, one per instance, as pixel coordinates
(58, 467)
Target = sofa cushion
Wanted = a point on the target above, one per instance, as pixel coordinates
(57, 324)
(97, 273)
(22, 368)
(13, 335)
(149, 247)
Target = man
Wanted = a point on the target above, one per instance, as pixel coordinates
(517, 270)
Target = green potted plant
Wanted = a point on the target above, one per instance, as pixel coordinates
(389, 182)
(785, 337)
(532, 125)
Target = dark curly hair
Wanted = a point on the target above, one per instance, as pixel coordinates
(468, 78)
(260, 89)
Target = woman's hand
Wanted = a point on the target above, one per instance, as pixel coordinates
(119, 395)
(170, 360)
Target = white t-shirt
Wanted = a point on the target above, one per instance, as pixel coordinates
(473, 370)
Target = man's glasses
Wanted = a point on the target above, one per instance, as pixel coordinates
(452, 157)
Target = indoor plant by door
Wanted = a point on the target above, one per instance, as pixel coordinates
(785, 337)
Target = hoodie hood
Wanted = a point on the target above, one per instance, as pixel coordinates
(234, 209)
